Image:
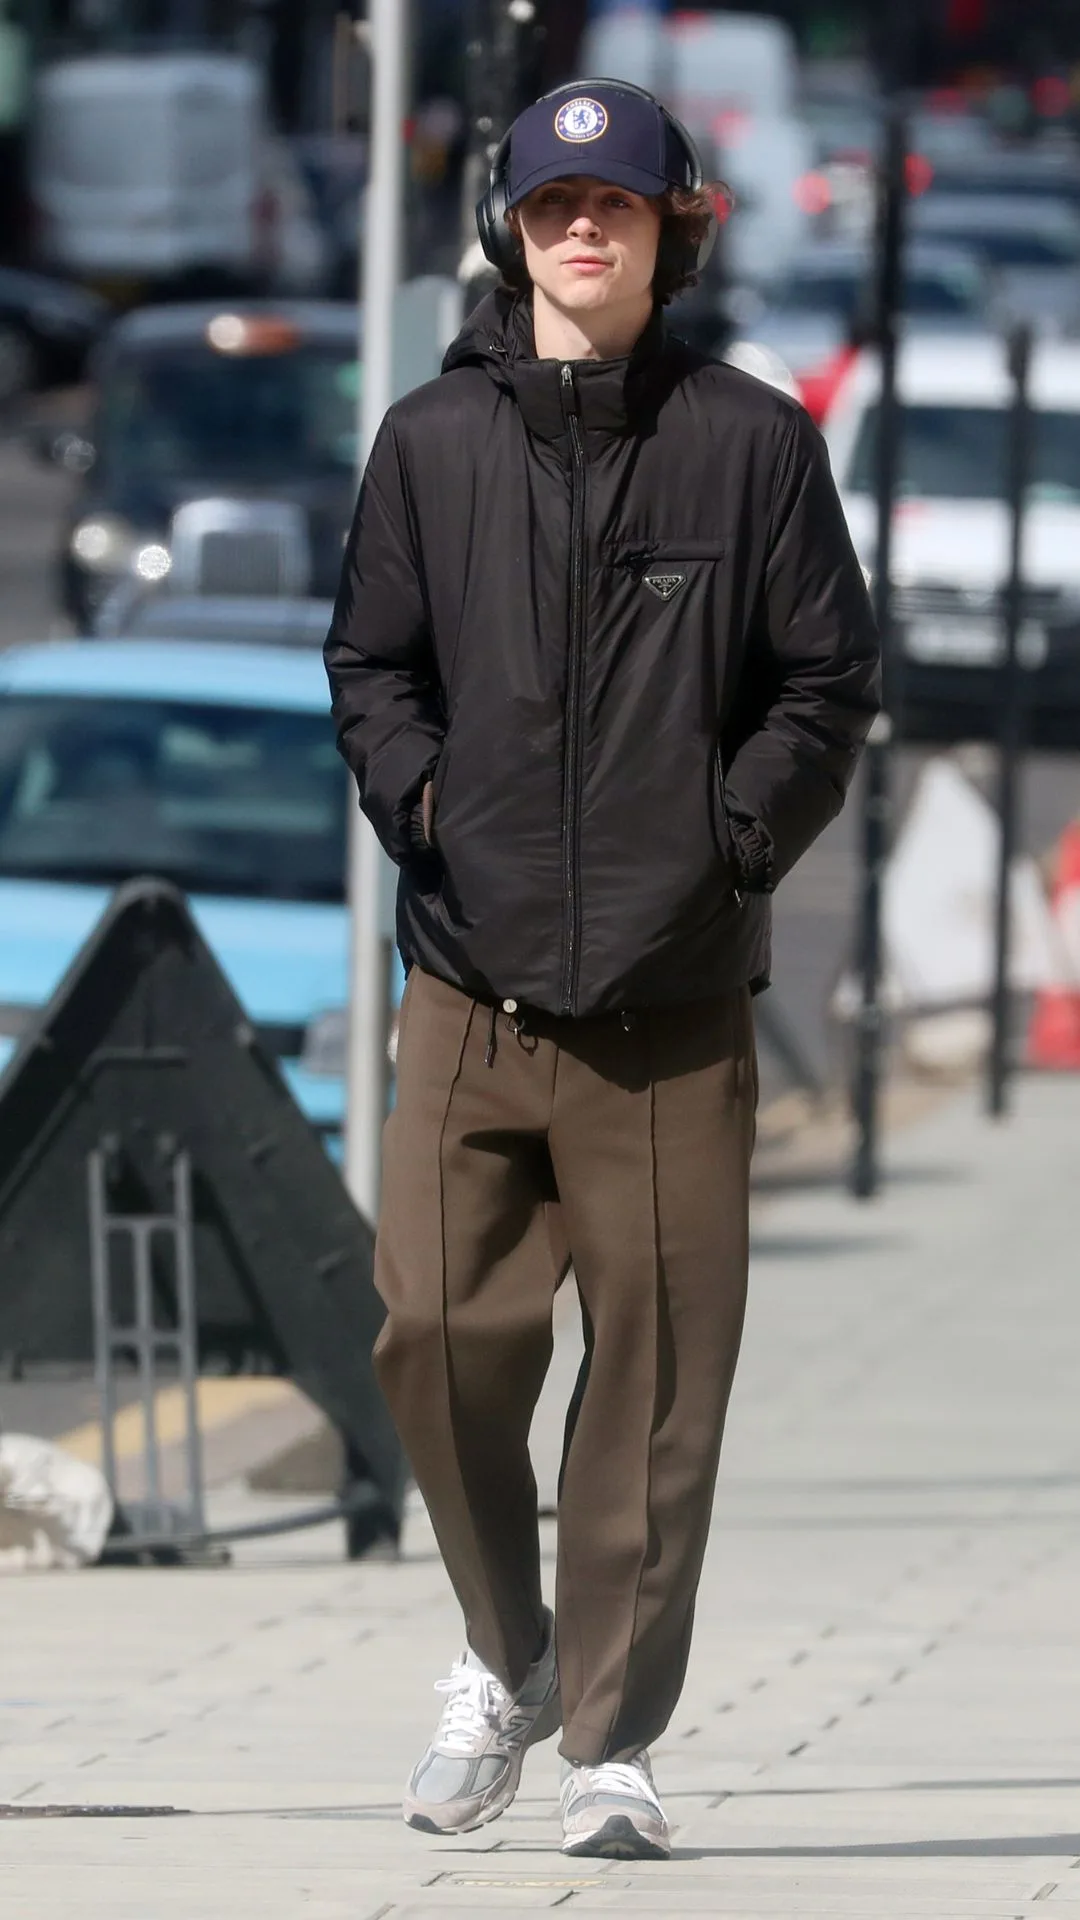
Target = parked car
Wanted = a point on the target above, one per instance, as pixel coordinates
(943, 286)
(139, 612)
(221, 453)
(1029, 247)
(952, 532)
(1035, 173)
(846, 126)
(47, 328)
(815, 314)
(952, 133)
(213, 766)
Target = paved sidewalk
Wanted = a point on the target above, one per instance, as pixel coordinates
(883, 1712)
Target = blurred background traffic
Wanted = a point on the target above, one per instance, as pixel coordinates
(181, 373)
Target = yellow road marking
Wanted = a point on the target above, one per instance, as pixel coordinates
(219, 1402)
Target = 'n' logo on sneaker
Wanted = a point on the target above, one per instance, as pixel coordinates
(665, 585)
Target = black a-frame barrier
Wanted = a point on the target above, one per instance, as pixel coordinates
(166, 1209)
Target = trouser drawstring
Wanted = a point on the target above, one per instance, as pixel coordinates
(515, 1021)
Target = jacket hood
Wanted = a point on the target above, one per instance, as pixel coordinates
(489, 334)
(614, 396)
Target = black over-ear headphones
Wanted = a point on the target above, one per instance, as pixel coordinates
(676, 255)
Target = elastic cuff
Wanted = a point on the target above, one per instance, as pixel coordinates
(753, 854)
(418, 839)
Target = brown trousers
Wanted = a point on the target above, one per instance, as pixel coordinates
(642, 1133)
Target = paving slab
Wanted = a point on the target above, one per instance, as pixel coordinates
(880, 1717)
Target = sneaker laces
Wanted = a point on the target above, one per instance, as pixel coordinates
(615, 1776)
(475, 1708)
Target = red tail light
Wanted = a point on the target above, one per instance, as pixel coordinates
(918, 173)
(813, 193)
(730, 127)
(1051, 96)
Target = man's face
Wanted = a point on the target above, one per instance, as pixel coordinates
(589, 245)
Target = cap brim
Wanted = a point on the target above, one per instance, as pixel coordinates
(613, 173)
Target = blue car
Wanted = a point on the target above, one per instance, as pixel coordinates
(208, 764)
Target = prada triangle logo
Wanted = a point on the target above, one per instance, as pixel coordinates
(665, 585)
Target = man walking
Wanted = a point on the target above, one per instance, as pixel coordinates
(602, 662)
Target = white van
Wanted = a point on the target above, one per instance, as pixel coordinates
(148, 166)
(733, 79)
(710, 60)
(951, 533)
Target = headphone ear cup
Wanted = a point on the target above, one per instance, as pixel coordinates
(499, 244)
(671, 257)
(676, 256)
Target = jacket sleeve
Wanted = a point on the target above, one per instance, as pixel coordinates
(380, 659)
(788, 779)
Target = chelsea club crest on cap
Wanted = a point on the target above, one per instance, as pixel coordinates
(593, 128)
(580, 120)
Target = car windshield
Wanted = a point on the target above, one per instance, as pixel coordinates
(960, 453)
(1007, 246)
(222, 800)
(189, 410)
(941, 294)
(1053, 188)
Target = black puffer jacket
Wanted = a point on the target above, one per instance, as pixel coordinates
(613, 610)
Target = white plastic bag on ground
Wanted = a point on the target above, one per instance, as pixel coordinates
(55, 1511)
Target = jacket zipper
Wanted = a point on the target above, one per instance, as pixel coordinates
(575, 676)
(722, 784)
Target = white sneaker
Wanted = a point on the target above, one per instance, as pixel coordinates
(611, 1812)
(470, 1772)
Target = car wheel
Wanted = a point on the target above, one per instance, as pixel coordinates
(18, 362)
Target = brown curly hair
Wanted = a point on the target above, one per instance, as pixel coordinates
(684, 216)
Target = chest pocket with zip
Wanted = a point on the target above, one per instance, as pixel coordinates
(666, 567)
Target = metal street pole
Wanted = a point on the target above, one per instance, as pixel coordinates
(1010, 712)
(501, 35)
(481, 138)
(382, 252)
(865, 1172)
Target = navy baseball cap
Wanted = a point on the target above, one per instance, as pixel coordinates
(595, 128)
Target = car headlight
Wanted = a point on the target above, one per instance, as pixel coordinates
(152, 562)
(104, 543)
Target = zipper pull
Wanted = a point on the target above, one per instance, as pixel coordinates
(635, 561)
(569, 391)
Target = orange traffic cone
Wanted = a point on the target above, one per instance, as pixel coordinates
(1054, 1035)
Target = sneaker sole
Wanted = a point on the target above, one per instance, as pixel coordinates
(617, 1839)
(547, 1722)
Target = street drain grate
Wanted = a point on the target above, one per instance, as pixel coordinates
(89, 1813)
